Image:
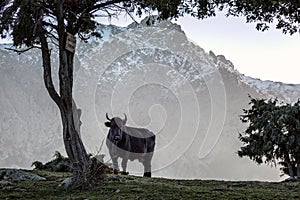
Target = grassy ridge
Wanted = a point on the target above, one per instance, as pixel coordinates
(130, 187)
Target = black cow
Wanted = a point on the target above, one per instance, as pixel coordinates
(129, 143)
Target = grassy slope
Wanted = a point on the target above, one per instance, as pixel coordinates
(130, 187)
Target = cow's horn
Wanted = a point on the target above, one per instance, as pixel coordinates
(107, 117)
(125, 119)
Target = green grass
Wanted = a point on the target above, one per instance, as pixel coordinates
(130, 187)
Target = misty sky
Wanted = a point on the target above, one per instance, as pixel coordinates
(269, 55)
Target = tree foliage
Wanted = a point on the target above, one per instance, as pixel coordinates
(20, 17)
(273, 134)
(284, 13)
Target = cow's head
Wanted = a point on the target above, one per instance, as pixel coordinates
(116, 125)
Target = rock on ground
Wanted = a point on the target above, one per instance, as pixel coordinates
(18, 175)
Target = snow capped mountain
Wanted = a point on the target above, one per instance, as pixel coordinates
(287, 93)
(191, 99)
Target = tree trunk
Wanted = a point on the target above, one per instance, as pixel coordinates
(298, 165)
(298, 170)
(84, 169)
(291, 170)
(77, 154)
(289, 166)
(81, 163)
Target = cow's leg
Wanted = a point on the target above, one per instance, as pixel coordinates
(147, 169)
(147, 165)
(115, 164)
(124, 165)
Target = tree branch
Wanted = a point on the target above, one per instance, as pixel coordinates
(47, 69)
(50, 25)
(101, 5)
(95, 8)
(22, 50)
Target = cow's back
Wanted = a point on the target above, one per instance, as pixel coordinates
(141, 140)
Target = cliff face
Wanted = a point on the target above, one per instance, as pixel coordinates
(189, 98)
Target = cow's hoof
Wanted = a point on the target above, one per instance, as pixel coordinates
(147, 174)
(125, 173)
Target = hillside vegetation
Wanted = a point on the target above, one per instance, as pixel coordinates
(131, 187)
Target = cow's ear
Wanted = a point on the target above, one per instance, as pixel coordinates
(108, 124)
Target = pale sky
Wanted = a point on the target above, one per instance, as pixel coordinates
(269, 55)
